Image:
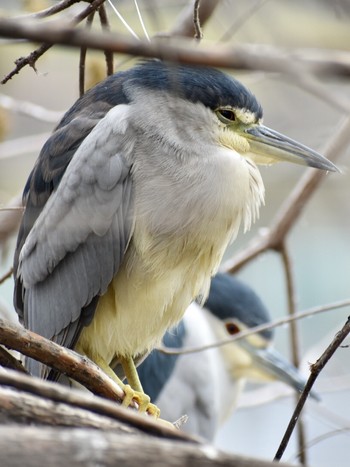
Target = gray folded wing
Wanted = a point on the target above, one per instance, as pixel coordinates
(79, 238)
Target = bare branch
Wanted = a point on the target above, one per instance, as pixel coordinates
(105, 26)
(294, 336)
(20, 407)
(333, 63)
(77, 398)
(29, 109)
(72, 364)
(78, 447)
(10, 217)
(22, 146)
(9, 361)
(33, 57)
(315, 370)
(82, 59)
(241, 335)
(198, 33)
(6, 276)
(60, 6)
(184, 24)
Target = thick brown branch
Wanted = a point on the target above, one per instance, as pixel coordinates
(75, 398)
(315, 370)
(183, 51)
(21, 407)
(66, 361)
(82, 447)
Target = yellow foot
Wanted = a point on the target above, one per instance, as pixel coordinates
(142, 400)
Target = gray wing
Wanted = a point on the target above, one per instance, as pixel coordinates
(79, 238)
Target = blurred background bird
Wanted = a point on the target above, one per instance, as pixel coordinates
(206, 385)
(131, 205)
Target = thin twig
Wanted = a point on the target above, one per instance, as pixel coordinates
(184, 23)
(10, 217)
(82, 58)
(60, 6)
(198, 33)
(6, 276)
(262, 327)
(241, 20)
(315, 370)
(36, 54)
(294, 337)
(105, 26)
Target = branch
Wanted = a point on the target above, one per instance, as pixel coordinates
(262, 327)
(9, 361)
(82, 59)
(294, 338)
(23, 408)
(10, 217)
(198, 33)
(82, 447)
(76, 398)
(184, 24)
(67, 361)
(6, 276)
(270, 58)
(315, 370)
(29, 109)
(33, 57)
(60, 6)
(105, 26)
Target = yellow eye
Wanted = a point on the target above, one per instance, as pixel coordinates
(226, 115)
(232, 328)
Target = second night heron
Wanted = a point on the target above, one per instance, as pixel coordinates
(130, 207)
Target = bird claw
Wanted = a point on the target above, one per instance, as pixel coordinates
(142, 400)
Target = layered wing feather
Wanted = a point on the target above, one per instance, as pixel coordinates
(78, 239)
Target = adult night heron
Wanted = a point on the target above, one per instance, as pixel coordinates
(131, 204)
(206, 385)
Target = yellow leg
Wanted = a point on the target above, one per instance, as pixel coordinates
(133, 391)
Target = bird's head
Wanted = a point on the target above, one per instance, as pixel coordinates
(198, 100)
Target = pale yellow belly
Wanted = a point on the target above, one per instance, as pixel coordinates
(137, 309)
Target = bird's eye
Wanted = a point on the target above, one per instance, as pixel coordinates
(226, 115)
(232, 328)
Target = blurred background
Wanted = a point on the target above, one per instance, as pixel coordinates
(319, 242)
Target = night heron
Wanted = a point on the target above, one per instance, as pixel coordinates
(130, 207)
(206, 385)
